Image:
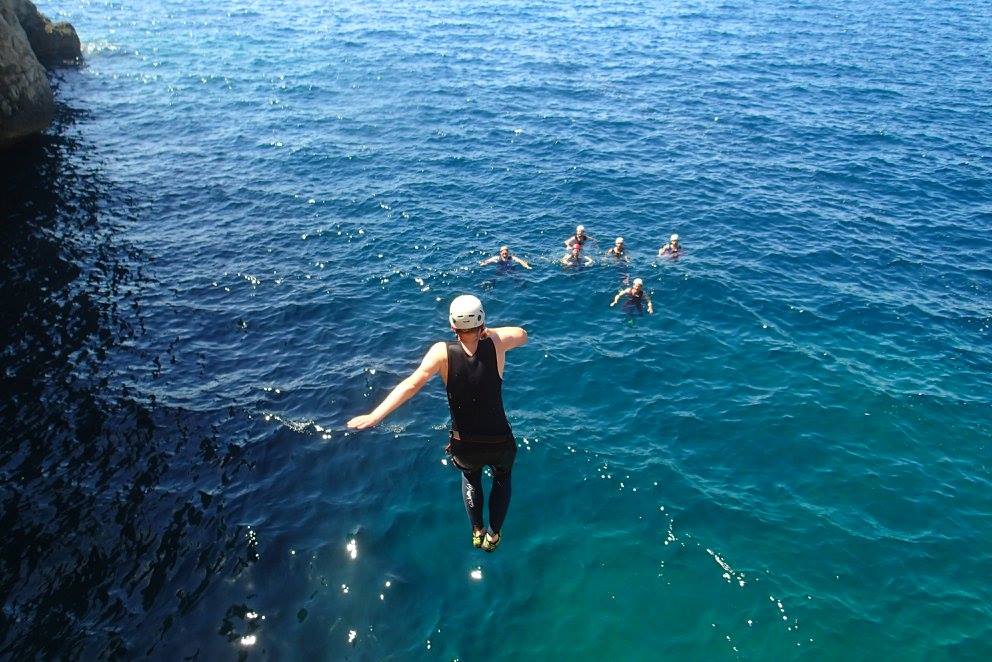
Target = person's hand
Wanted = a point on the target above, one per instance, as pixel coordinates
(363, 422)
(613, 304)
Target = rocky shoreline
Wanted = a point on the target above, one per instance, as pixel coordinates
(30, 43)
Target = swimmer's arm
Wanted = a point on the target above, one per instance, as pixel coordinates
(664, 249)
(489, 260)
(564, 260)
(647, 297)
(509, 337)
(569, 242)
(405, 390)
(522, 263)
(589, 261)
(616, 299)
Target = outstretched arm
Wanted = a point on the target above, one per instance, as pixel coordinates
(616, 299)
(647, 298)
(405, 390)
(509, 336)
(489, 260)
(589, 261)
(522, 263)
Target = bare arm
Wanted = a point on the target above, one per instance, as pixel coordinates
(522, 263)
(647, 298)
(589, 261)
(509, 337)
(616, 299)
(405, 390)
(664, 249)
(489, 260)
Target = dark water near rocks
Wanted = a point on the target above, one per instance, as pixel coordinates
(246, 225)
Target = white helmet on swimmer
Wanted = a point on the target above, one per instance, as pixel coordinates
(675, 237)
(619, 240)
(638, 281)
(580, 228)
(466, 312)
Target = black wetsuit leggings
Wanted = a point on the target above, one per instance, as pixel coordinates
(469, 458)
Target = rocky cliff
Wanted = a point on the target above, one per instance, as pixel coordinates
(29, 42)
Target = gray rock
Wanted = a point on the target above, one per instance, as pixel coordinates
(55, 44)
(27, 39)
(26, 102)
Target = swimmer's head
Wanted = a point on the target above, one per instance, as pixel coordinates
(638, 283)
(580, 230)
(674, 239)
(618, 241)
(466, 313)
(504, 251)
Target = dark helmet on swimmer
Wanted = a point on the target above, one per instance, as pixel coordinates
(466, 312)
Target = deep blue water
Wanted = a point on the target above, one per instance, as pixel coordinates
(245, 228)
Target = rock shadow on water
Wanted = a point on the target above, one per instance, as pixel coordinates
(112, 505)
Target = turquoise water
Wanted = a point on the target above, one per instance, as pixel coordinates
(260, 211)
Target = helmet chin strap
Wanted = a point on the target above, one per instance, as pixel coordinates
(481, 330)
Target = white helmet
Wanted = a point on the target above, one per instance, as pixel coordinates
(675, 237)
(619, 240)
(638, 281)
(466, 312)
(580, 228)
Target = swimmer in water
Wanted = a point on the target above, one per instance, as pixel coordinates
(505, 259)
(672, 248)
(619, 250)
(471, 368)
(580, 237)
(575, 258)
(636, 298)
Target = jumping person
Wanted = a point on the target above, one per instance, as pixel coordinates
(472, 371)
(574, 258)
(636, 298)
(505, 259)
(580, 237)
(672, 248)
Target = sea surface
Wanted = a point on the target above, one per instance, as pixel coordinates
(247, 223)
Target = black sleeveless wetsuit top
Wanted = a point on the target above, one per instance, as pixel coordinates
(475, 394)
(635, 300)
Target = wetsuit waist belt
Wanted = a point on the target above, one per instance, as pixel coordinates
(481, 438)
